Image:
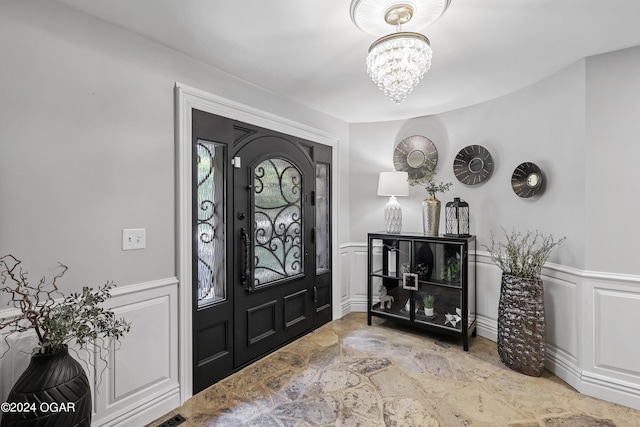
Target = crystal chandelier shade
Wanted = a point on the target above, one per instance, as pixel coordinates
(397, 62)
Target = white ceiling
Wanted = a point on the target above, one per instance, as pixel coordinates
(311, 52)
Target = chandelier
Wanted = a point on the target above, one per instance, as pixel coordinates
(397, 62)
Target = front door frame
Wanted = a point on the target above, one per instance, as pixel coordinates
(188, 98)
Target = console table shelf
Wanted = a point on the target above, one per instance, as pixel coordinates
(404, 268)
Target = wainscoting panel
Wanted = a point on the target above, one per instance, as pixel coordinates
(616, 321)
(591, 319)
(612, 314)
(560, 303)
(129, 378)
(345, 291)
(141, 382)
(487, 296)
(358, 278)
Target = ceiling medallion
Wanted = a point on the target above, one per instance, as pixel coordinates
(369, 15)
(398, 61)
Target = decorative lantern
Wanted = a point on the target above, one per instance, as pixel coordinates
(457, 218)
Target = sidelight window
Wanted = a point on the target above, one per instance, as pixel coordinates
(322, 218)
(210, 219)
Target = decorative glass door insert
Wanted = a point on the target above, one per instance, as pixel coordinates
(278, 218)
(210, 234)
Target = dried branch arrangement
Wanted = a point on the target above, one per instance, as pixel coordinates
(77, 318)
(523, 255)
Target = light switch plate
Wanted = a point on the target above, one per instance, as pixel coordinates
(134, 238)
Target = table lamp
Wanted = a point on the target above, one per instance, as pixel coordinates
(393, 184)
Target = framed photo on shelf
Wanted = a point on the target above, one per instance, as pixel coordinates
(410, 281)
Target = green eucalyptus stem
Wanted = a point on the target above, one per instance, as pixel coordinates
(427, 180)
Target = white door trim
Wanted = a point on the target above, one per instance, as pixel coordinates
(188, 98)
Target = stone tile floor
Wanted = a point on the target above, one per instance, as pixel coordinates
(349, 374)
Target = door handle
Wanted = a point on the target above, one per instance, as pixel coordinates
(245, 276)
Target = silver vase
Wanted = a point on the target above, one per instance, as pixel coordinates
(431, 215)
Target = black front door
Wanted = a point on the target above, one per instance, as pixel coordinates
(273, 223)
(261, 249)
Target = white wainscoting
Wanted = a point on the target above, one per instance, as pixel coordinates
(592, 321)
(353, 268)
(141, 382)
(611, 315)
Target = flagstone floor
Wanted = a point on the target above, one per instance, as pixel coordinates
(349, 374)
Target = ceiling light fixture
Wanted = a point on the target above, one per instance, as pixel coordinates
(398, 61)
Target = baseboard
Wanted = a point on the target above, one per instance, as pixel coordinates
(354, 305)
(563, 366)
(139, 415)
(345, 307)
(610, 389)
(486, 327)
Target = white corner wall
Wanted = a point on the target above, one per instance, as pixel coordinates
(611, 291)
(579, 125)
(612, 150)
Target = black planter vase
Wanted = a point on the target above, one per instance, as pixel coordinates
(52, 391)
(522, 325)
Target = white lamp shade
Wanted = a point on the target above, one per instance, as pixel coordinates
(393, 183)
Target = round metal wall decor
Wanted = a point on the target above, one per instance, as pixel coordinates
(473, 164)
(526, 180)
(412, 152)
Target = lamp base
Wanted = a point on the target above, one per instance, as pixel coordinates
(393, 216)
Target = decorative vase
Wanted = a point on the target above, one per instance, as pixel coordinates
(521, 324)
(431, 215)
(53, 391)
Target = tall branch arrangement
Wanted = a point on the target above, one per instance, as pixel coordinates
(428, 179)
(77, 318)
(523, 255)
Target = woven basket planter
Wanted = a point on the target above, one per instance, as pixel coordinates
(521, 324)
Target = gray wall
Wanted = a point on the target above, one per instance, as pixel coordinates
(543, 123)
(87, 142)
(579, 125)
(612, 152)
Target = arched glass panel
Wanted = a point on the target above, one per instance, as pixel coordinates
(277, 234)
